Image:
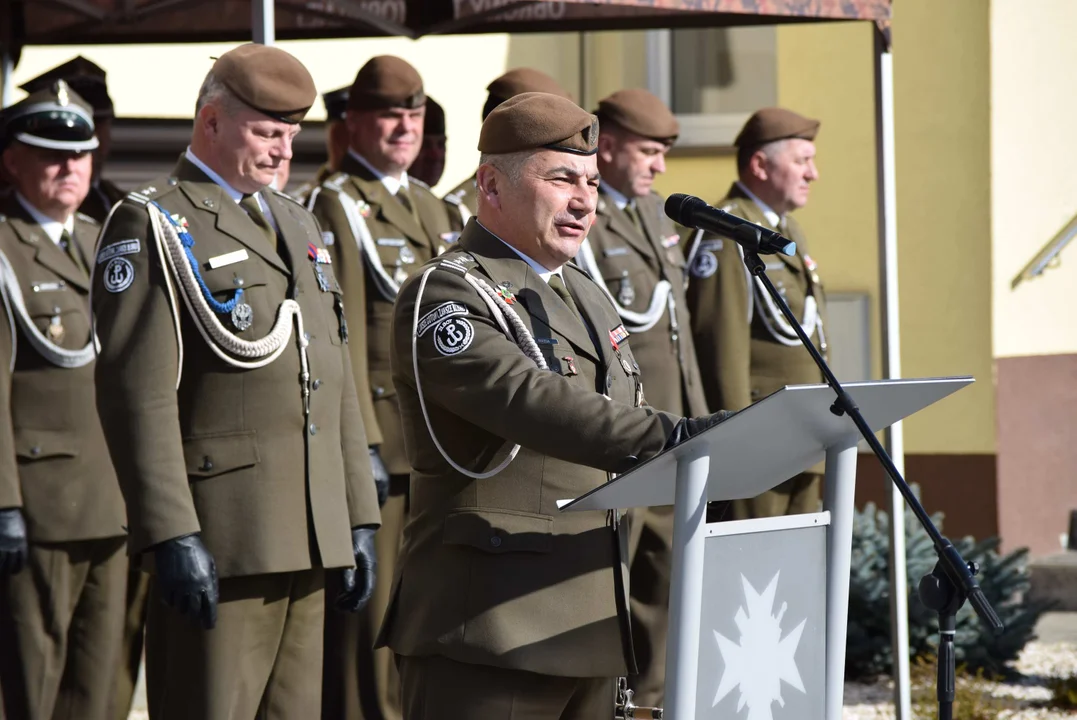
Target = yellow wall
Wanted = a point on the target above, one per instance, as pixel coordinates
(1034, 186)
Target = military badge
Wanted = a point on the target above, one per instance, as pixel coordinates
(364, 208)
(704, 265)
(242, 316)
(453, 336)
(627, 293)
(56, 329)
(504, 290)
(617, 336)
(571, 365)
(119, 274)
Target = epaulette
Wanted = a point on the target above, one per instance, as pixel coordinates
(458, 261)
(417, 181)
(458, 193)
(286, 196)
(86, 218)
(335, 181)
(144, 195)
(453, 199)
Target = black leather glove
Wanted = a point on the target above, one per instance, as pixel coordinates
(187, 578)
(690, 427)
(357, 583)
(381, 475)
(13, 548)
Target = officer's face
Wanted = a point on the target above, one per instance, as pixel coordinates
(547, 209)
(54, 181)
(248, 147)
(630, 162)
(788, 171)
(389, 139)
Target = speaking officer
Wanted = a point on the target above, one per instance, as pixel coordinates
(88, 80)
(226, 393)
(61, 617)
(746, 348)
(633, 252)
(518, 386)
(463, 199)
(336, 141)
(381, 225)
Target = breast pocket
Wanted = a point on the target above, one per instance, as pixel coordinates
(59, 313)
(250, 307)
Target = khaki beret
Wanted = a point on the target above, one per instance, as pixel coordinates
(267, 79)
(521, 80)
(638, 111)
(386, 81)
(771, 124)
(539, 120)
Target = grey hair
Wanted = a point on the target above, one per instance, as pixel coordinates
(512, 164)
(214, 91)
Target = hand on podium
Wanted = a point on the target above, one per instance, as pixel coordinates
(690, 427)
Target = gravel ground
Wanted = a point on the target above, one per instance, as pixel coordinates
(1037, 664)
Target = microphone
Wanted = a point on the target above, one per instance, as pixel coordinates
(692, 212)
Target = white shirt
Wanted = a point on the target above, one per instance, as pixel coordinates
(618, 199)
(236, 195)
(772, 217)
(391, 183)
(53, 228)
(542, 271)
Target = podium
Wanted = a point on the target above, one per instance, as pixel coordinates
(771, 636)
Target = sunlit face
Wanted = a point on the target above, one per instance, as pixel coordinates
(388, 139)
(248, 147)
(787, 171)
(54, 181)
(547, 211)
(630, 162)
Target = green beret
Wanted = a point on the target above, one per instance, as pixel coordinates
(537, 120)
(386, 81)
(55, 118)
(268, 80)
(640, 112)
(771, 124)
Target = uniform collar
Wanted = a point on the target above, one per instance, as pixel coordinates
(619, 199)
(772, 217)
(230, 191)
(391, 184)
(540, 269)
(53, 228)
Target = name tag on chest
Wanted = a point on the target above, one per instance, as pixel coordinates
(228, 259)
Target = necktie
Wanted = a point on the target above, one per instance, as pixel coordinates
(558, 286)
(250, 204)
(67, 244)
(405, 199)
(633, 215)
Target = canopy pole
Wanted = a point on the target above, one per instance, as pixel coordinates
(891, 345)
(7, 71)
(263, 29)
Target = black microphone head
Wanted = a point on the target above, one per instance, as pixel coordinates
(679, 207)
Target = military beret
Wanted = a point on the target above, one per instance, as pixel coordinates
(83, 76)
(267, 79)
(386, 81)
(539, 120)
(771, 124)
(336, 103)
(521, 80)
(434, 123)
(638, 111)
(55, 118)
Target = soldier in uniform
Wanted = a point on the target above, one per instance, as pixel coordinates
(429, 166)
(746, 348)
(88, 80)
(463, 199)
(381, 224)
(336, 141)
(61, 512)
(226, 393)
(518, 385)
(633, 252)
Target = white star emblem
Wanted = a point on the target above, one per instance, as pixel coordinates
(763, 659)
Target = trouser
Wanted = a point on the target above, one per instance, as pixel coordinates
(436, 688)
(651, 552)
(61, 621)
(360, 683)
(134, 626)
(263, 659)
(795, 496)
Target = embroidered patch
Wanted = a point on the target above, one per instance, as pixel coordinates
(391, 242)
(670, 240)
(617, 336)
(441, 312)
(119, 274)
(328, 238)
(704, 265)
(712, 244)
(456, 265)
(453, 336)
(123, 247)
(615, 251)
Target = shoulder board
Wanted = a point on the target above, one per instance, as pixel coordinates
(417, 181)
(335, 181)
(86, 218)
(285, 196)
(459, 261)
(143, 195)
(453, 199)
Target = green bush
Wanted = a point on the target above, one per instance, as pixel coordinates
(1004, 579)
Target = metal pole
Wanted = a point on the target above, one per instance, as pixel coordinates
(686, 588)
(838, 498)
(7, 70)
(891, 343)
(263, 23)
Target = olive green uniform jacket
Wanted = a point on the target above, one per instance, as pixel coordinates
(462, 203)
(491, 572)
(401, 242)
(736, 327)
(231, 452)
(99, 201)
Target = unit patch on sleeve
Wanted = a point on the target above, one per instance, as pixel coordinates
(453, 336)
(704, 265)
(441, 312)
(119, 274)
(123, 247)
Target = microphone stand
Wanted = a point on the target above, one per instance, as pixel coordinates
(953, 580)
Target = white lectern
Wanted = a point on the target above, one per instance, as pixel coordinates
(756, 449)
